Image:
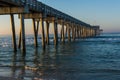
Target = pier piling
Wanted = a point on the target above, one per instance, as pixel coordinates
(47, 32)
(23, 33)
(55, 32)
(69, 33)
(13, 32)
(63, 34)
(35, 33)
(42, 32)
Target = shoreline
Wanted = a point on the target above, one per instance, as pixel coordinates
(7, 78)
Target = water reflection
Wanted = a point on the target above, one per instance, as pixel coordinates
(14, 65)
(43, 66)
(18, 67)
(22, 69)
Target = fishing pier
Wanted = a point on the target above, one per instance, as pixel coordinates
(41, 14)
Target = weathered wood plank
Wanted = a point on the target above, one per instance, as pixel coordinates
(11, 10)
(33, 15)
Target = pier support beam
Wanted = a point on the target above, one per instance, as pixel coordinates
(47, 32)
(73, 32)
(43, 34)
(55, 32)
(89, 32)
(92, 32)
(66, 31)
(19, 41)
(13, 32)
(63, 35)
(69, 34)
(80, 32)
(35, 33)
(77, 30)
(37, 27)
(83, 30)
(23, 33)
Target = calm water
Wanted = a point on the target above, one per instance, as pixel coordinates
(90, 59)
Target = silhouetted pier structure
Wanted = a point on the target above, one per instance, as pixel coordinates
(40, 14)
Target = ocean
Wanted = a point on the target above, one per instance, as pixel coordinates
(86, 59)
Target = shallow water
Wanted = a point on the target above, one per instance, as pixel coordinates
(89, 59)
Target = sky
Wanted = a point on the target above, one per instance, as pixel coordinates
(105, 13)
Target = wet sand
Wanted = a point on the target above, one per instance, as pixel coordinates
(7, 78)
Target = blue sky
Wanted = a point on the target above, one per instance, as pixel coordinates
(105, 13)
